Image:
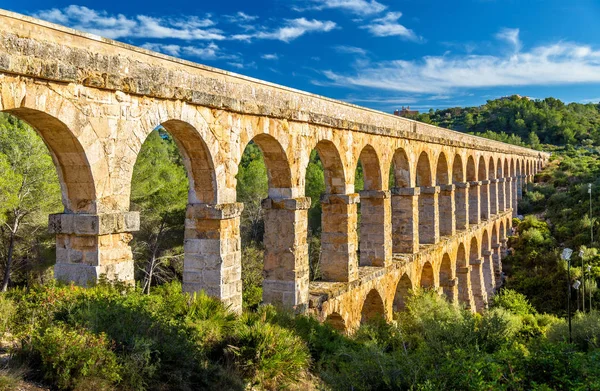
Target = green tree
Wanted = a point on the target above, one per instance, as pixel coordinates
(29, 191)
(159, 192)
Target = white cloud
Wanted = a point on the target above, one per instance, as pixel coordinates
(350, 50)
(592, 100)
(511, 36)
(359, 7)
(388, 26)
(272, 56)
(560, 63)
(240, 17)
(119, 26)
(207, 52)
(293, 29)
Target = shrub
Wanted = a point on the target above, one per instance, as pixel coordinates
(7, 312)
(267, 355)
(76, 358)
(513, 302)
(585, 331)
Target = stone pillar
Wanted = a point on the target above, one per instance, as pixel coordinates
(465, 295)
(447, 210)
(429, 232)
(489, 276)
(213, 257)
(89, 246)
(494, 197)
(375, 228)
(484, 199)
(501, 195)
(497, 262)
(477, 284)
(474, 211)
(339, 243)
(405, 219)
(286, 269)
(508, 187)
(461, 202)
(514, 193)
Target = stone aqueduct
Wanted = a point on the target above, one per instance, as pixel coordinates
(443, 224)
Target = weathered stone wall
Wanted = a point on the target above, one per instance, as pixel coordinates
(94, 101)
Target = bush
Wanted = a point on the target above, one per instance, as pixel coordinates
(585, 331)
(513, 302)
(7, 312)
(76, 358)
(267, 355)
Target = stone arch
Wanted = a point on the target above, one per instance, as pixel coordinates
(277, 164)
(372, 307)
(474, 204)
(428, 224)
(446, 279)
(463, 277)
(500, 187)
(371, 168)
(484, 194)
(477, 287)
(493, 187)
(74, 171)
(441, 172)
(458, 172)
(401, 169)
(336, 321)
(487, 264)
(507, 185)
(445, 200)
(402, 290)
(197, 161)
(423, 173)
(496, 260)
(333, 168)
(427, 277)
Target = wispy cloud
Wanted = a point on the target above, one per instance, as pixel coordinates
(270, 56)
(344, 49)
(117, 26)
(207, 52)
(559, 63)
(240, 17)
(511, 36)
(359, 7)
(592, 100)
(292, 29)
(388, 26)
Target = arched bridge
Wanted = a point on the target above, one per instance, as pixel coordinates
(443, 224)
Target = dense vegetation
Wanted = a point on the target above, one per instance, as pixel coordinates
(153, 337)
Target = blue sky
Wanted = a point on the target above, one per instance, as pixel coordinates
(381, 54)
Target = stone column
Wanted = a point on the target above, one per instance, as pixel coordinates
(504, 247)
(213, 257)
(375, 228)
(514, 193)
(489, 276)
(429, 232)
(339, 243)
(494, 197)
(286, 269)
(484, 199)
(447, 210)
(477, 284)
(465, 295)
(474, 211)
(501, 195)
(405, 219)
(497, 262)
(89, 246)
(461, 202)
(508, 194)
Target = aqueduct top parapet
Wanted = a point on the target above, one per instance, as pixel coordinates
(39, 49)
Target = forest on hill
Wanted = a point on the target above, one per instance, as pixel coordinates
(153, 337)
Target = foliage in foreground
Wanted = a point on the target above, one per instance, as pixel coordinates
(103, 339)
